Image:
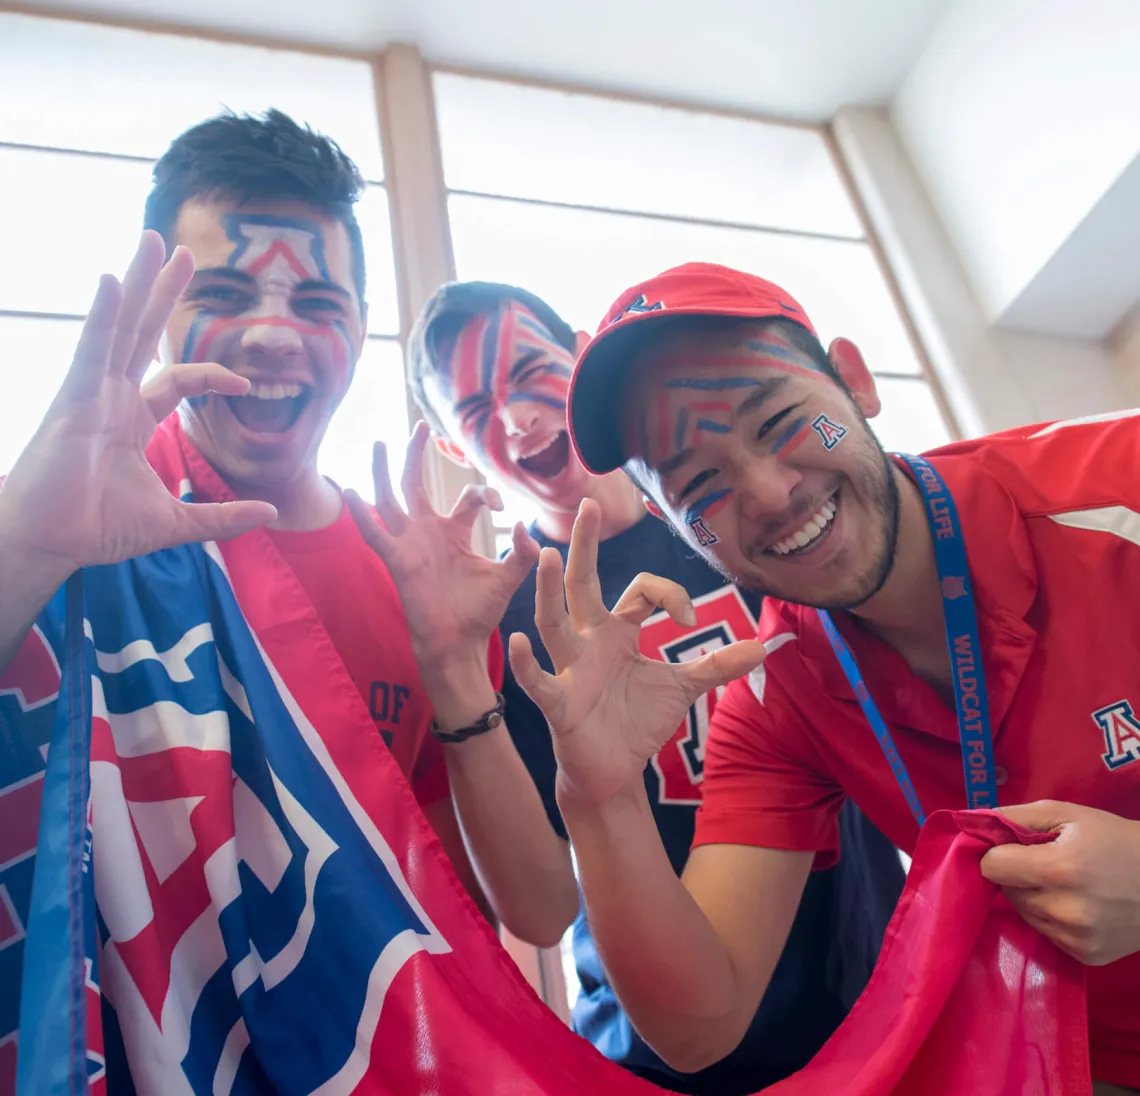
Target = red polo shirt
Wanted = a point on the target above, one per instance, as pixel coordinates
(1051, 521)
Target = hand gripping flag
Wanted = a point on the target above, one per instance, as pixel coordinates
(235, 891)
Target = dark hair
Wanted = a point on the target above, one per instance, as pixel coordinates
(452, 307)
(244, 158)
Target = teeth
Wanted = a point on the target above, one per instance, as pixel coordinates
(262, 391)
(812, 529)
(541, 449)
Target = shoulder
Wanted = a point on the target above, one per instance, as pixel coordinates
(1049, 467)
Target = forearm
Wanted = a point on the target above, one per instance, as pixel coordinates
(671, 971)
(523, 866)
(28, 580)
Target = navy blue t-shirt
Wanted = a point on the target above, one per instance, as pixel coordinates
(839, 927)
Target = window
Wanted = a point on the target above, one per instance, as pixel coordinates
(576, 197)
(84, 112)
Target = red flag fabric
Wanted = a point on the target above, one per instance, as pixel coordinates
(967, 1000)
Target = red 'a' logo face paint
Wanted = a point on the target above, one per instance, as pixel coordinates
(275, 300)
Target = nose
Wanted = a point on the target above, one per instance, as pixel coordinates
(765, 487)
(273, 336)
(520, 417)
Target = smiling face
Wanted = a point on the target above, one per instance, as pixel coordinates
(501, 395)
(272, 299)
(764, 463)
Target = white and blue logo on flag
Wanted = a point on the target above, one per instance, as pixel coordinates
(244, 896)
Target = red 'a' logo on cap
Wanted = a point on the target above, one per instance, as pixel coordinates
(639, 304)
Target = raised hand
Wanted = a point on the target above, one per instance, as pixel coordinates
(453, 597)
(82, 491)
(610, 708)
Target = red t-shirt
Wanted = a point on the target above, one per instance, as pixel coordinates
(359, 606)
(1051, 520)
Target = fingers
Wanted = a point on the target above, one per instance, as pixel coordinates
(168, 287)
(520, 559)
(558, 634)
(375, 536)
(166, 390)
(583, 590)
(1044, 816)
(391, 514)
(541, 687)
(1021, 865)
(471, 500)
(203, 521)
(721, 666)
(415, 494)
(648, 593)
(89, 365)
(137, 285)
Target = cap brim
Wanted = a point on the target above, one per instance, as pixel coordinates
(597, 395)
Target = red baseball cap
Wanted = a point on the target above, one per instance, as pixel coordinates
(598, 383)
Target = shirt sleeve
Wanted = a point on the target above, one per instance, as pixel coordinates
(760, 785)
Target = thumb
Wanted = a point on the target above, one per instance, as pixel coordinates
(1016, 865)
(1044, 816)
(202, 521)
(540, 686)
(721, 666)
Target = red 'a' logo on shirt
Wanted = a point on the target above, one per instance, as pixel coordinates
(722, 618)
(1121, 733)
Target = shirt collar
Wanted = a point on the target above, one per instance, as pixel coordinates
(1003, 577)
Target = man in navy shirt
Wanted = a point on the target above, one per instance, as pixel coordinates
(491, 365)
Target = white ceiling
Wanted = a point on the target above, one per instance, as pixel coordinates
(789, 58)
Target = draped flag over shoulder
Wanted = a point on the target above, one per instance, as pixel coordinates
(236, 892)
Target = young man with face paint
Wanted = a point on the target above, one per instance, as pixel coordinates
(259, 318)
(491, 367)
(964, 611)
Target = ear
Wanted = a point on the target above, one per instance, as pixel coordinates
(580, 340)
(452, 451)
(653, 508)
(847, 361)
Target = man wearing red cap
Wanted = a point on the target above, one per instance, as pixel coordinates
(491, 367)
(922, 649)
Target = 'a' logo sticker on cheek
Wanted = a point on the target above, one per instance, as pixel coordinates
(705, 536)
(830, 433)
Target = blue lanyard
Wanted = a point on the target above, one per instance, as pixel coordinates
(965, 655)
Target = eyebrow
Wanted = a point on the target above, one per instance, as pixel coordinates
(226, 273)
(765, 390)
(240, 277)
(310, 284)
(529, 358)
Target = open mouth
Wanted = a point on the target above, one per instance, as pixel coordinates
(270, 408)
(810, 535)
(550, 460)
